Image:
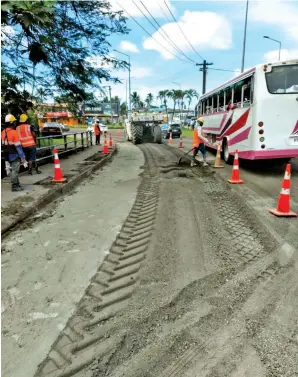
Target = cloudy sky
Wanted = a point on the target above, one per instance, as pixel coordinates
(165, 57)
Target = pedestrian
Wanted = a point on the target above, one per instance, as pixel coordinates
(27, 138)
(199, 142)
(97, 132)
(12, 150)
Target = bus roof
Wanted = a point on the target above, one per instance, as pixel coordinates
(243, 75)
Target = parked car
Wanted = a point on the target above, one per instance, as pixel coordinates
(64, 127)
(51, 129)
(167, 129)
(90, 128)
(103, 128)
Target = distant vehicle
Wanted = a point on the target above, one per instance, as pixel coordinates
(145, 127)
(51, 129)
(90, 128)
(64, 127)
(167, 129)
(103, 128)
(255, 113)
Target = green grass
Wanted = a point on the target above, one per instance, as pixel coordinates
(115, 126)
(57, 141)
(187, 133)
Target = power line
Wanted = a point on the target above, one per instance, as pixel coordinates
(183, 32)
(170, 40)
(224, 70)
(151, 36)
(163, 11)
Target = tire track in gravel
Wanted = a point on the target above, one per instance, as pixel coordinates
(186, 335)
(252, 271)
(85, 335)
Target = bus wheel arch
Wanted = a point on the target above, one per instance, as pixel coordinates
(228, 158)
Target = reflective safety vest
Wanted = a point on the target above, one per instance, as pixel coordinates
(25, 135)
(96, 129)
(196, 140)
(10, 140)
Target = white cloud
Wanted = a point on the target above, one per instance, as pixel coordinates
(203, 30)
(279, 13)
(128, 46)
(156, 7)
(7, 31)
(136, 71)
(272, 55)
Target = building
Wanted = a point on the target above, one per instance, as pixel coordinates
(57, 112)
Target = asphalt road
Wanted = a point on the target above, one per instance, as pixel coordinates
(196, 283)
(262, 185)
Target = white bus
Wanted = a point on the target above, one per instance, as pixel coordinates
(256, 113)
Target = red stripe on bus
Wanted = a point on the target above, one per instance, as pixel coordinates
(241, 122)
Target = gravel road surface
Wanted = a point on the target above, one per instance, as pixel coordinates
(49, 265)
(196, 283)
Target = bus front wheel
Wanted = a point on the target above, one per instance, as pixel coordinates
(226, 154)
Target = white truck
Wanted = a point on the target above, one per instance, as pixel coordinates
(142, 128)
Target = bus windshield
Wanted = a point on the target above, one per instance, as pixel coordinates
(283, 79)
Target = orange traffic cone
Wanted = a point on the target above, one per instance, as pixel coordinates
(118, 133)
(235, 178)
(111, 141)
(105, 147)
(58, 176)
(180, 143)
(217, 163)
(283, 204)
(170, 139)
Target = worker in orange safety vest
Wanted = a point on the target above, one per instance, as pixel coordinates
(97, 132)
(12, 151)
(199, 143)
(28, 140)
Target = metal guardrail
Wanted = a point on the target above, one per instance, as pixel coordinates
(71, 142)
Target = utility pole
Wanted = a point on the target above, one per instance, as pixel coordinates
(204, 70)
(244, 38)
(129, 78)
(110, 93)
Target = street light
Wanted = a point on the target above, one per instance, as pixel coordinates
(244, 38)
(177, 83)
(266, 37)
(129, 79)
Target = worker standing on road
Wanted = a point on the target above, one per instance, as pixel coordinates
(27, 138)
(199, 142)
(97, 132)
(12, 150)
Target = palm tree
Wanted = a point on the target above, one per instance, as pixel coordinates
(177, 97)
(135, 99)
(149, 99)
(189, 95)
(41, 94)
(162, 95)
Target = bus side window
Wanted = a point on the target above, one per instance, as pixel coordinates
(246, 92)
(228, 98)
(252, 82)
(237, 96)
(221, 102)
(245, 100)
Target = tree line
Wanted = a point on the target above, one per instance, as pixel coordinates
(181, 99)
(47, 49)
